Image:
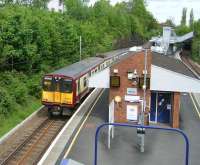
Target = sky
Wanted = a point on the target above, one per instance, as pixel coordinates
(161, 9)
(169, 9)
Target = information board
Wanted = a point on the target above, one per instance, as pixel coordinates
(132, 112)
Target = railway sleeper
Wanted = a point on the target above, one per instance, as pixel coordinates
(57, 110)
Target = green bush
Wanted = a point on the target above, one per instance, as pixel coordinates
(20, 93)
(6, 102)
(34, 89)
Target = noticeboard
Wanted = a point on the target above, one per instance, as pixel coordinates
(132, 112)
(114, 81)
(141, 82)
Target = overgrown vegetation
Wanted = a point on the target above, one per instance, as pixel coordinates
(191, 26)
(34, 41)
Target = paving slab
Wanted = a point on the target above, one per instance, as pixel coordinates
(164, 148)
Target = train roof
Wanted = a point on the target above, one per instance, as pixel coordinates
(110, 54)
(77, 69)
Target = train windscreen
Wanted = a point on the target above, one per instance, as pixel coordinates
(66, 86)
(47, 84)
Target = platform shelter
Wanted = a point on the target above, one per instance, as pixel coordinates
(166, 79)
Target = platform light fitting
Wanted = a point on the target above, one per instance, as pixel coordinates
(115, 71)
(118, 99)
(144, 71)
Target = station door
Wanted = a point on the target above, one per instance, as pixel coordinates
(161, 107)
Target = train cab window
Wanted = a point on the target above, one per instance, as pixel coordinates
(47, 84)
(66, 85)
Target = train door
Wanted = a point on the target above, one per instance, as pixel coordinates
(66, 89)
(78, 90)
(57, 94)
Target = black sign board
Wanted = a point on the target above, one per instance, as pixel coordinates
(114, 81)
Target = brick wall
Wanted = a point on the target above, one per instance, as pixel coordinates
(134, 61)
(176, 110)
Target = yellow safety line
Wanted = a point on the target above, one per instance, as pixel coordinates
(77, 133)
(195, 105)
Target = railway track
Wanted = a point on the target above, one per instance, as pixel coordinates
(31, 149)
(192, 65)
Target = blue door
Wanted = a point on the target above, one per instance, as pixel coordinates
(164, 107)
(161, 106)
(153, 107)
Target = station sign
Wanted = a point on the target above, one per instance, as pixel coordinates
(131, 98)
(131, 91)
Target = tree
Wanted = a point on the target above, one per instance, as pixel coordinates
(191, 21)
(169, 22)
(184, 17)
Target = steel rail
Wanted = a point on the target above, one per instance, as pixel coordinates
(23, 143)
(43, 131)
(27, 153)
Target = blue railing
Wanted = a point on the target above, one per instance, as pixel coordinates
(146, 127)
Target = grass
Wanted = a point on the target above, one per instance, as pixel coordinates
(16, 117)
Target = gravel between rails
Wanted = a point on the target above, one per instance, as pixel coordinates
(31, 150)
(7, 146)
(195, 66)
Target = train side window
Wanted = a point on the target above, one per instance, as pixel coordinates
(85, 81)
(102, 66)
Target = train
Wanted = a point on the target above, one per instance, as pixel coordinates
(63, 89)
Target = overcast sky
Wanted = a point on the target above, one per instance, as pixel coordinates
(165, 9)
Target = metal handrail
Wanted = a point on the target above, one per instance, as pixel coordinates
(146, 127)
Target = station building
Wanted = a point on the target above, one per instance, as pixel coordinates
(166, 77)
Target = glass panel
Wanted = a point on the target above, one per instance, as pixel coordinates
(57, 86)
(47, 84)
(66, 85)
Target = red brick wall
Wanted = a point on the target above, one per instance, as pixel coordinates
(176, 110)
(134, 61)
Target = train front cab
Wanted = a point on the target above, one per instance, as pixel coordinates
(57, 94)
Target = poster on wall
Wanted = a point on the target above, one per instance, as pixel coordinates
(132, 112)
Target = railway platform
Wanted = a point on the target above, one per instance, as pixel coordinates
(160, 148)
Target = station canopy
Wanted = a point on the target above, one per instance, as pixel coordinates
(167, 74)
(170, 74)
(166, 80)
(100, 79)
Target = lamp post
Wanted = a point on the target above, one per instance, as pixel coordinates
(141, 132)
(144, 86)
